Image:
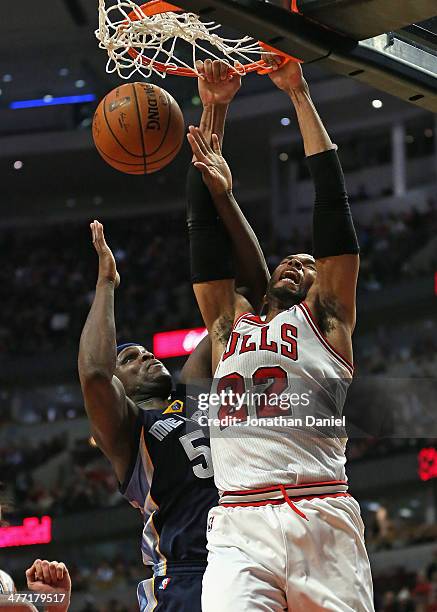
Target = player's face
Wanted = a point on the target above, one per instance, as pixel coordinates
(292, 279)
(142, 374)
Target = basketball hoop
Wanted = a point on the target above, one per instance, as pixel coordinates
(144, 39)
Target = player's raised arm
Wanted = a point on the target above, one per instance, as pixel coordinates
(112, 415)
(215, 241)
(334, 239)
(216, 90)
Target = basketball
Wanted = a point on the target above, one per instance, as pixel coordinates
(138, 128)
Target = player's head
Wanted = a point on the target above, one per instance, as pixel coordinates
(291, 280)
(143, 376)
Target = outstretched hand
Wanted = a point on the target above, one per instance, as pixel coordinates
(217, 83)
(210, 161)
(107, 265)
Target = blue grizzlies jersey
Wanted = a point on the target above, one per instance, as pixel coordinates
(171, 482)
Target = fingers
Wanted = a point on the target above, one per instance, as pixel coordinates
(98, 235)
(224, 71)
(60, 571)
(47, 572)
(45, 565)
(195, 148)
(208, 71)
(272, 60)
(93, 231)
(198, 144)
(203, 143)
(216, 144)
(31, 574)
(216, 71)
(53, 570)
(213, 71)
(200, 68)
(38, 570)
(96, 230)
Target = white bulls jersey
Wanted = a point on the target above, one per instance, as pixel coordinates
(283, 423)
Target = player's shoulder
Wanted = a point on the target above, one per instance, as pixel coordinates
(6, 583)
(173, 413)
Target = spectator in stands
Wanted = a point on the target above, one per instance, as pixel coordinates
(61, 298)
(421, 591)
(431, 568)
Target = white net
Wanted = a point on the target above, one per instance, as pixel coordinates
(138, 43)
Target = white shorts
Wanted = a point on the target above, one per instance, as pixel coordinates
(270, 559)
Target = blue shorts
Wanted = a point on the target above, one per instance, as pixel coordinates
(176, 592)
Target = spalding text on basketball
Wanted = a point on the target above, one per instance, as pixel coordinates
(153, 110)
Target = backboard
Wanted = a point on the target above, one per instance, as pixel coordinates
(389, 44)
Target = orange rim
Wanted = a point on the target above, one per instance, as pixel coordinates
(156, 7)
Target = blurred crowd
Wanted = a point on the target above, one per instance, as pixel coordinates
(83, 481)
(20, 455)
(403, 350)
(45, 299)
(393, 245)
(397, 527)
(407, 591)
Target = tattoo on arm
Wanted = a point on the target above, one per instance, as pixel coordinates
(223, 329)
(329, 311)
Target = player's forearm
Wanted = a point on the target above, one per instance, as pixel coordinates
(251, 267)
(211, 254)
(213, 120)
(315, 137)
(97, 349)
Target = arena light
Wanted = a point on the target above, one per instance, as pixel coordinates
(177, 343)
(31, 532)
(427, 468)
(52, 101)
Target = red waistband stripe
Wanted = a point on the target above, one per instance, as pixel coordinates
(280, 493)
(278, 502)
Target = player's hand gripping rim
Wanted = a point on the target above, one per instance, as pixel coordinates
(217, 83)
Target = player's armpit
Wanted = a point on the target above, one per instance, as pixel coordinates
(335, 289)
(220, 306)
(216, 299)
(331, 301)
(112, 416)
(219, 303)
(335, 242)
